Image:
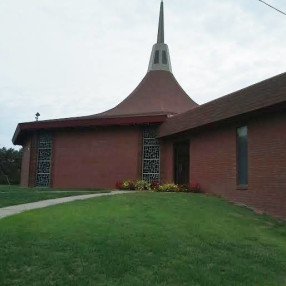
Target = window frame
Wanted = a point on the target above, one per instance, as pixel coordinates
(242, 185)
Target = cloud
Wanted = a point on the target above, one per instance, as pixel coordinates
(71, 58)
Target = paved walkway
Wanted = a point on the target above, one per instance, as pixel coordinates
(8, 211)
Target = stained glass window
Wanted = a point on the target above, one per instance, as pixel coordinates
(44, 160)
(151, 155)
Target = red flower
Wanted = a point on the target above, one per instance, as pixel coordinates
(118, 185)
(155, 185)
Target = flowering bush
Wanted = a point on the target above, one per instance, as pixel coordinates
(168, 188)
(155, 186)
(142, 185)
(131, 185)
(118, 185)
(191, 188)
(139, 185)
(183, 188)
(126, 185)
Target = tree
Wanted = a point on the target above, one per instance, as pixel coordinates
(10, 166)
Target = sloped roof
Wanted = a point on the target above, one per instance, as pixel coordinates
(157, 96)
(158, 93)
(267, 93)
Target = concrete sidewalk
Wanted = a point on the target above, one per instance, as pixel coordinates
(8, 211)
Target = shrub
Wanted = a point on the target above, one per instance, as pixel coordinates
(155, 186)
(191, 188)
(168, 188)
(185, 188)
(118, 185)
(131, 185)
(142, 185)
(126, 185)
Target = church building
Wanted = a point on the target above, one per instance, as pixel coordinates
(234, 146)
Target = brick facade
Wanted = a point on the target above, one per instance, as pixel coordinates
(99, 157)
(25, 166)
(213, 163)
(29, 161)
(96, 158)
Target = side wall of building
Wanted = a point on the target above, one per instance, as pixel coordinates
(25, 165)
(29, 161)
(96, 158)
(213, 163)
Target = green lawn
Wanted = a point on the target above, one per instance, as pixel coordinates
(143, 239)
(15, 195)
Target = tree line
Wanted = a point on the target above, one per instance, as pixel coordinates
(10, 166)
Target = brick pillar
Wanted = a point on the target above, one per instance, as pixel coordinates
(140, 154)
(33, 160)
(53, 138)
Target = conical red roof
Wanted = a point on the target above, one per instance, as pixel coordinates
(158, 93)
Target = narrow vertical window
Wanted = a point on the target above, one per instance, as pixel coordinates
(43, 176)
(151, 155)
(242, 156)
(164, 58)
(156, 58)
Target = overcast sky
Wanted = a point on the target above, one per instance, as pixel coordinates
(66, 58)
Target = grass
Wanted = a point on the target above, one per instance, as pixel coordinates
(143, 239)
(15, 195)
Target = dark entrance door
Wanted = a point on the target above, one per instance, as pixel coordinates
(182, 162)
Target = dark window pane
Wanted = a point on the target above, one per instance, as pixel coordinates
(156, 59)
(164, 58)
(242, 156)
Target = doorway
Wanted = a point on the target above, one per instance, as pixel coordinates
(182, 162)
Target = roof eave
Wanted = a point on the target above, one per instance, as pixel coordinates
(166, 134)
(23, 128)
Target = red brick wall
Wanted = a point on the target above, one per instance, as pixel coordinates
(25, 166)
(267, 164)
(213, 160)
(96, 158)
(29, 162)
(213, 163)
(33, 160)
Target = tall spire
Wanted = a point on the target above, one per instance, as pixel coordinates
(160, 38)
(160, 58)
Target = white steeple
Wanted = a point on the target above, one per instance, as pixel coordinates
(160, 57)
